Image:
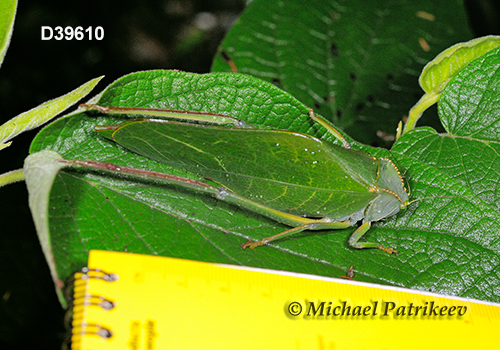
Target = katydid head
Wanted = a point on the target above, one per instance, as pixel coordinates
(389, 179)
(392, 192)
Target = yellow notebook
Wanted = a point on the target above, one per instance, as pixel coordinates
(130, 301)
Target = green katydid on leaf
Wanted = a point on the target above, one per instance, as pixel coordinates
(290, 177)
(447, 244)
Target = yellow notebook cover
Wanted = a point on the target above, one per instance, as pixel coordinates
(130, 301)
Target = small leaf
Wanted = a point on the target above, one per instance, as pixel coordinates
(7, 14)
(40, 170)
(448, 63)
(43, 113)
(442, 69)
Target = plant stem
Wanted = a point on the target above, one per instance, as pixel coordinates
(419, 108)
(11, 177)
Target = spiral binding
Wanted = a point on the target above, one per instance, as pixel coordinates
(78, 300)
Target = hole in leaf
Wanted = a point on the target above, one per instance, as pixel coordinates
(334, 50)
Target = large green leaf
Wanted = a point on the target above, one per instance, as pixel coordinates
(40, 170)
(446, 244)
(112, 206)
(461, 245)
(354, 62)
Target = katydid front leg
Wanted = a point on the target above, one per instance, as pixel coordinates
(316, 225)
(360, 231)
(322, 225)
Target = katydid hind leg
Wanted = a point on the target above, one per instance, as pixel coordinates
(360, 231)
(299, 223)
(316, 225)
(329, 128)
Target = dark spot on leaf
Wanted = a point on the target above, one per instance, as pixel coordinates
(276, 81)
(359, 107)
(370, 98)
(352, 76)
(225, 56)
(317, 105)
(390, 77)
(339, 113)
(334, 50)
(328, 98)
(229, 61)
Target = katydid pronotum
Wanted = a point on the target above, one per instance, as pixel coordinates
(290, 177)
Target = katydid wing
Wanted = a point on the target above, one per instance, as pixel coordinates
(291, 177)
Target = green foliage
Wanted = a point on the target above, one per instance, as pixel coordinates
(357, 64)
(354, 62)
(461, 244)
(140, 216)
(441, 240)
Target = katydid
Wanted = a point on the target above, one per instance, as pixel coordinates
(290, 177)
